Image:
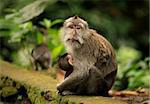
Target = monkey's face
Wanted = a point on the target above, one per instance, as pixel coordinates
(74, 30)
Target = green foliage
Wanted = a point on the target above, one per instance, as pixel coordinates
(27, 36)
(122, 22)
(132, 72)
(48, 23)
(138, 75)
(8, 91)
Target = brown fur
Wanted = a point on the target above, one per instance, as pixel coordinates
(94, 63)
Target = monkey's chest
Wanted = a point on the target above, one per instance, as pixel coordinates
(84, 62)
(84, 57)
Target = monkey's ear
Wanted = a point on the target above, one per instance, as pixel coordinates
(84, 22)
(86, 25)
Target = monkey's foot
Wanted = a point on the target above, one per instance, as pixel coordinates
(64, 93)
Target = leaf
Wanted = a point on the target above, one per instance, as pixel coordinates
(47, 23)
(128, 54)
(56, 51)
(56, 21)
(39, 38)
(34, 9)
(136, 80)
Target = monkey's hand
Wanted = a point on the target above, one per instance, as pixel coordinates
(70, 59)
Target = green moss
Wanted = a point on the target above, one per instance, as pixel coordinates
(38, 88)
(35, 94)
(8, 91)
(36, 97)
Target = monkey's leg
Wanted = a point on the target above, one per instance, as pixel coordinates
(72, 81)
(35, 65)
(97, 85)
(111, 78)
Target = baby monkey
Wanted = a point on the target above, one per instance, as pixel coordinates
(93, 60)
(65, 63)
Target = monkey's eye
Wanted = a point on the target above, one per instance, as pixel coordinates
(78, 27)
(70, 26)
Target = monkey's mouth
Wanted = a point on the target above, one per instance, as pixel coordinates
(74, 40)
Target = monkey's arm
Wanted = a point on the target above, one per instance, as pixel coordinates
(72, 80)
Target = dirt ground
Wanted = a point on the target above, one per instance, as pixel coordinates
(139, 96)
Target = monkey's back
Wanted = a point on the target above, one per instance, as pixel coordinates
(106, 62)
(105, 52)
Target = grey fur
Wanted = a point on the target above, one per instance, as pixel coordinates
(94, 63)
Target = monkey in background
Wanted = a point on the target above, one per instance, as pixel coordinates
(41, 57)
(93, 60)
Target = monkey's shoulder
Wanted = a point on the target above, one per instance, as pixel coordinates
(98, 36)
(101, 42)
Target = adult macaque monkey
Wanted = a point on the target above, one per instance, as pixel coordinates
(93, 60)
(41, 57)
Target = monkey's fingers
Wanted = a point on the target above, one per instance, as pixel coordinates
(59, 93)
(70, 59)
(64, 93)
(59, 88)
(70, 62)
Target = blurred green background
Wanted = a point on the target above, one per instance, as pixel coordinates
(125, 23)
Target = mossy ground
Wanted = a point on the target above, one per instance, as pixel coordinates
(21, 86)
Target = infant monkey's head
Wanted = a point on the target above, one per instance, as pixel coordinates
(74, 31)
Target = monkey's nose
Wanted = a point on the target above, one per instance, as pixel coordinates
(75, 17)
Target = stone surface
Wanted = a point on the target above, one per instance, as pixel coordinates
(36, 83)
